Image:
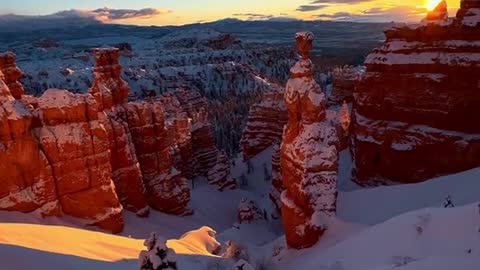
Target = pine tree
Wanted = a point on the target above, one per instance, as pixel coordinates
(157, 256)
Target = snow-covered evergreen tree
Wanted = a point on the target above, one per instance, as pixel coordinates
(157, 256)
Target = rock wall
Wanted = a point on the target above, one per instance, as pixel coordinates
(86, 155)
(413, 108)
(76, 146)
(111, 92)
(265, 124)
(344, 80)
(179, 128)
(204, 150)
(309, 157)
(277, 184)
(56, 159)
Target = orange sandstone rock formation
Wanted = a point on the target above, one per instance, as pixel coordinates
(413, 110)
(309, 158)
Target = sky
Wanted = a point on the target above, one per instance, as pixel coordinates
(178, 12)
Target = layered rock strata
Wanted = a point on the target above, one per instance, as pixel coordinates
(413, 108)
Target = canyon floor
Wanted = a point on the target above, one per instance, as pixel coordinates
(377, 228)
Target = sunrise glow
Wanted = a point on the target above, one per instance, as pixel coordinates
(432, 4)
(147, 12)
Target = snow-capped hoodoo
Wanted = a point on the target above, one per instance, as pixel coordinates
(309, 157)
(167, 189)
(11, 74)
(266, 120)
(111, 93)
(414, 106)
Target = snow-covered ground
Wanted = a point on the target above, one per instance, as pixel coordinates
(377, 228)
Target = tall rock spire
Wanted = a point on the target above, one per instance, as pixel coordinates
(309, 157)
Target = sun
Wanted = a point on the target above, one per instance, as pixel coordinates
(432, 4)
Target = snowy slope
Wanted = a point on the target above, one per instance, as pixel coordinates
(374, 230)
(432, 238)
(57, 247)
(375, 205)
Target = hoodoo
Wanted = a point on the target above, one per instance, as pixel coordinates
(309, 157)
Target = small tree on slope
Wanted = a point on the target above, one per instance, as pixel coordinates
(157, 256)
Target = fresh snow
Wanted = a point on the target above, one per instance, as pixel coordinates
(374, 229)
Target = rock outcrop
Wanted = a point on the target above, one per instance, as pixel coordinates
(277, 185)
(204, 149)
(76, 146)
(111, 92)
(11, 74)
(309, 158)
(55, 157)
(167, 190)
(413, 108)
(439, 14)
(344, 80)
(469, 13)
(27, 179)
(265, 124)
(219, 174)
(179, 128)
(86, 155)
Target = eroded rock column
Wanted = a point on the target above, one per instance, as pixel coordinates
(309, 158)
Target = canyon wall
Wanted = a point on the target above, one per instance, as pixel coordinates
(265, 124)
(414, 111)
(92, 155)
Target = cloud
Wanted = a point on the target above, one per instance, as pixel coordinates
(321, 4)
(378, 14)
(109, 14)
(339, 1)
(307, 8)
(335, 16)
(254, 16)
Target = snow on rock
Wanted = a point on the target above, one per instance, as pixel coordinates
(219, 175)
(469, 13)
(344, 80)
(204, 149)
(167, 189)
(179, 128)
(277, 185)
(265, 124)
(72, 138)
(248, 211)
(86, 155)
(111, 92)
(309, 158)
(414, 105)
